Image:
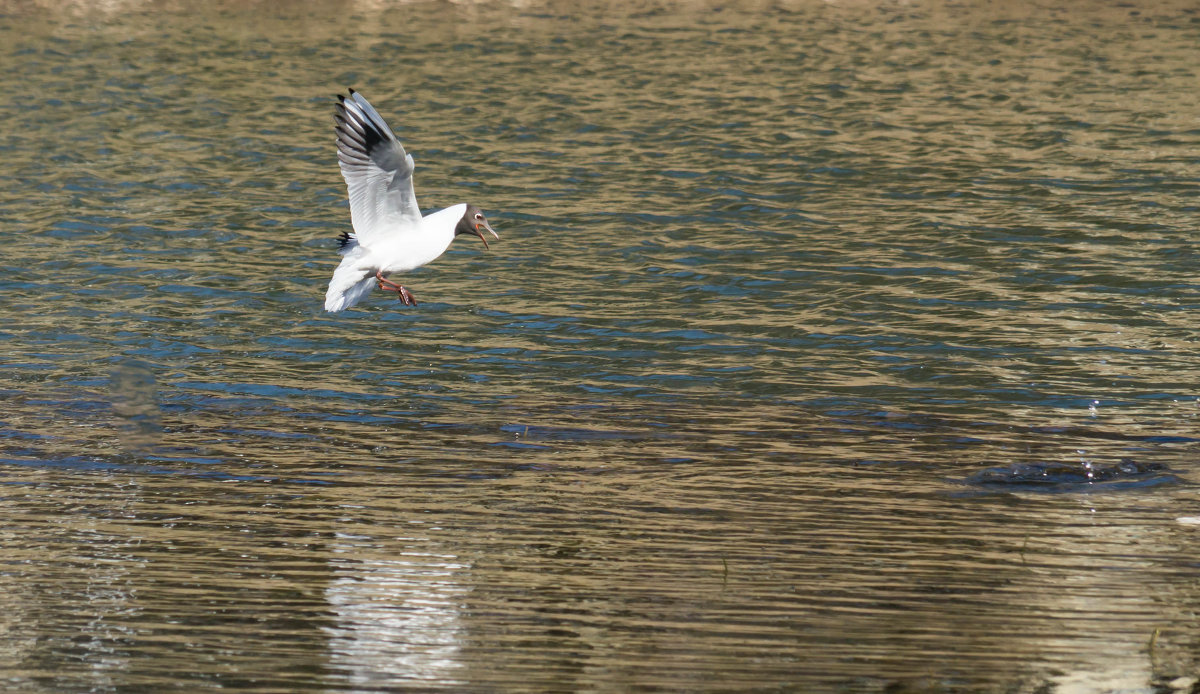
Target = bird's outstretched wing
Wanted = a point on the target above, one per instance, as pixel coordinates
(377, 170)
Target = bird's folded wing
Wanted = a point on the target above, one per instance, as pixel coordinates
(377, 170)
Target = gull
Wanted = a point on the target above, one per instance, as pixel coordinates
(390, 234)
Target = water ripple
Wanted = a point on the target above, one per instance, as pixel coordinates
(795, 305)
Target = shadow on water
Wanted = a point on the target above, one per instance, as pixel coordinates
(134, 393)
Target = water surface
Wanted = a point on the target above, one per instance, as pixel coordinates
(829, 347)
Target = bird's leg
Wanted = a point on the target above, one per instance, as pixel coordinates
(385, 283)
(401, 293)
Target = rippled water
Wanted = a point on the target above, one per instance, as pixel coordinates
(829, 347)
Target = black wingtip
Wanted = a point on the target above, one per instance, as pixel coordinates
(345, 240)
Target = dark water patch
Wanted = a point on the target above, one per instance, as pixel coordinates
(1074, 477)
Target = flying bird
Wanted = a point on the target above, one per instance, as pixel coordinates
(390, 234)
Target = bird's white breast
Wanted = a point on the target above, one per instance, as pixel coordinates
(421, 244)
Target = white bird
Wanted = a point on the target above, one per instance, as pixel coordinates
(390, 235)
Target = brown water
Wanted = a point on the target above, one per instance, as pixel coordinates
(829, 347)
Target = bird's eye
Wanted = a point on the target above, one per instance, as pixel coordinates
(478, 216)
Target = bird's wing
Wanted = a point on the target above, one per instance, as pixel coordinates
(377, 170)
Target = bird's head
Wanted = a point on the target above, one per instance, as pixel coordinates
(473, 222)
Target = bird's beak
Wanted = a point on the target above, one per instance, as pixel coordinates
(479, 232)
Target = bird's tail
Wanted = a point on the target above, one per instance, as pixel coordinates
(348, 287)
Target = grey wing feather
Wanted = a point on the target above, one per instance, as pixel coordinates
(377, 170)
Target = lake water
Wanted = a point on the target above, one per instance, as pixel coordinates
(841, 347)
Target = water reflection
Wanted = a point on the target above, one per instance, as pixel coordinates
(396, 613)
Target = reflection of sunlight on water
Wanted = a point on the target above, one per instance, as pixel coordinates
(397, 619)
(1111, 680)
(92, 599)
(1113, 657)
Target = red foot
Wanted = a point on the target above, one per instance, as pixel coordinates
(401, 293)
